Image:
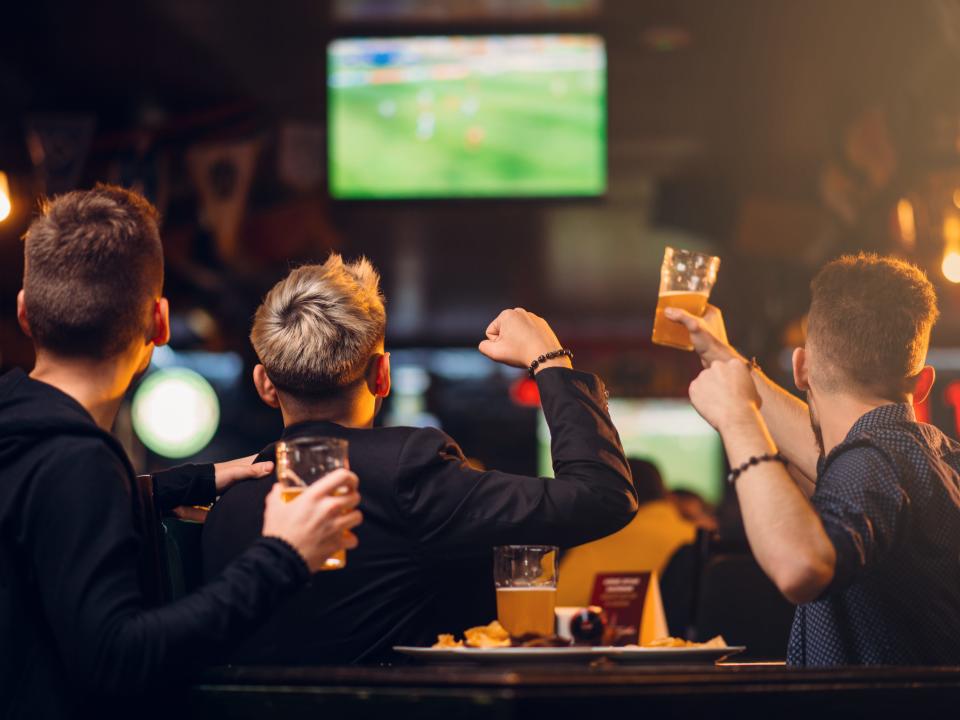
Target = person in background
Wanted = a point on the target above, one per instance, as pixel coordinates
(694, 508)
(424, 565)
(850, 505)
(656, 532)
(76, 637)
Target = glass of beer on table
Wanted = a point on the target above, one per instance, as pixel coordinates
(526, 580)
(303, 461)
(686, 279)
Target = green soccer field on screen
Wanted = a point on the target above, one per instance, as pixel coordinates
(497, 116)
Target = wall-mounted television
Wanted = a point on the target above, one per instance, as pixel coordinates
(669, 433)
(457, 117)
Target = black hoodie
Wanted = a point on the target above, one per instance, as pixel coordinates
(75, 634)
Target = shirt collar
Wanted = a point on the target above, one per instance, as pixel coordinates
(879, 417)
(882, 416)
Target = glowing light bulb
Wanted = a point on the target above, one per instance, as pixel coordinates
(907, 222)
(5, 205)
(951, 266)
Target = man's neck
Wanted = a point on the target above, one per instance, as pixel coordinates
(840, 412)
(98, 385)
(352, 415)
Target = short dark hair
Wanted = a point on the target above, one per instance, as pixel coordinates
(646, 480)
(870, 318)
(92, 262)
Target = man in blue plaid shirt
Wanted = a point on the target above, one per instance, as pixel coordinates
(851, 506)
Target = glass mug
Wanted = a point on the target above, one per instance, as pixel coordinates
(526, 580)
(686, 279)
(303, 461)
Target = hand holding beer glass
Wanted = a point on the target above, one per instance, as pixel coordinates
(526, 580)
(686, 279)
(303, 461)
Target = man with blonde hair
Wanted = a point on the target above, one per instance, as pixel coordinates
(424, 562)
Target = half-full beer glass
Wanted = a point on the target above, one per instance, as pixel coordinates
(526, 581)
(686, 279)
(303, 461)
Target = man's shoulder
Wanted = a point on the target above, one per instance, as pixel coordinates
(400, 439)
(907, 442)
(77, 455)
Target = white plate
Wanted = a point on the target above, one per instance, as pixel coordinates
(571, 654)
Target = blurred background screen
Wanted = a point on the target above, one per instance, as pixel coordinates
(669, 433)
(497, 116)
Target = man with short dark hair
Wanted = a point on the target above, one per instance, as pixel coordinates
(871, 558)
(75, 632)
(424, 566)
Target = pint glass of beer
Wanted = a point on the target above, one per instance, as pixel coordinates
(686, 279)
(526, 581)
(303, 461)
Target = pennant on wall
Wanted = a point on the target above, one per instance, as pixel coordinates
(58, 144)
(300, 155)
(143, 168)
(222, 174)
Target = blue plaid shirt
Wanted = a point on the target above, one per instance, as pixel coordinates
(889, 499)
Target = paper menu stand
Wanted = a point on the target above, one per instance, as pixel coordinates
(633, 606)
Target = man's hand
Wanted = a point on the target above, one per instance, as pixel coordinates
(231, 471)
(708, 334)
(724, 394)
(517, 337)
(192, 513)
(318, 522)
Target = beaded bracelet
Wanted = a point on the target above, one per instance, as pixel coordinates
(755, 460)
(548, 356)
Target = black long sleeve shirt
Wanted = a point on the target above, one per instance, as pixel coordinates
(424, 563)
(73, 626)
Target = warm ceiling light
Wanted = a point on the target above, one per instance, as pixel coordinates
(5, 204)
(951, 266)
(907, 223)
(951, 231)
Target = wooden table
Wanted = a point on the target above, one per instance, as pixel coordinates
(463, 692)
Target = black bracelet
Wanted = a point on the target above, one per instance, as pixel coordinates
(548, 356)
(755, 460)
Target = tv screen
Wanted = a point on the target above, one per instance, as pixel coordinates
(669, 433)
(491, 116)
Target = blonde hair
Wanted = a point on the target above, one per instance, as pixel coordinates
(317, 328)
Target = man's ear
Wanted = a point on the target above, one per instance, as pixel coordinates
(924, 383)
(265, 387)
(22, 315)
(381, 384)
(161, 322)
(801, 371)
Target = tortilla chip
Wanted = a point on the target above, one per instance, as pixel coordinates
(487, 636)
(447, 641)
(672, 642)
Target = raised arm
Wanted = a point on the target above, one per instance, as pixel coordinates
(451, 506)
(592, 494)
(785, 415)
(785, 532)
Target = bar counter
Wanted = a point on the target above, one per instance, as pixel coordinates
(461, 692)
